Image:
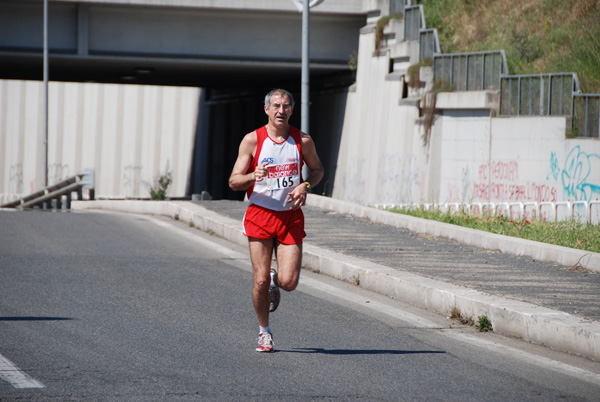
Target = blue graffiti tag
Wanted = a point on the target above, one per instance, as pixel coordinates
(578, 167)
(554, 169)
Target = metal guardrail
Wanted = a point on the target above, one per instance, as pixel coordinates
(470, 71)
(556, 94)
(551, 95)
(55, 192)
(414, 21)
(397, 6)
(586, 115)
(414, 28)
(538, 95)
(429, 43)
(506, 209)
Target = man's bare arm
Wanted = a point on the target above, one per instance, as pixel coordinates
(240, 179)
(297, 197)
(311, 158)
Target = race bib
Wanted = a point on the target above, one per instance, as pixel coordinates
(282, 176)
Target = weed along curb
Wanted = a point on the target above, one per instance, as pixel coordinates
(529, 322)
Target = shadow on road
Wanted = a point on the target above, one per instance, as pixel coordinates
(359, 351)
(35, 318)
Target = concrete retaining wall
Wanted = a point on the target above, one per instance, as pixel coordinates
(128, 133)
(470, 156)
(380, 153)
(515, 159)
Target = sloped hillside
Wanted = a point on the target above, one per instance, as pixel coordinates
(538, 36)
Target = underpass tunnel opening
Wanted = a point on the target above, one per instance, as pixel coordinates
(226, 115)
(225, 54)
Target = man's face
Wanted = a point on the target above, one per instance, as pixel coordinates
(280, 110)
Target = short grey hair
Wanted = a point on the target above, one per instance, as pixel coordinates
(280, 92)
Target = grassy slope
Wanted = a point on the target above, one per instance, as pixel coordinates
(567, 234)
(538, 36)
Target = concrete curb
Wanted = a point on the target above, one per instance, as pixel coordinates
(529, 322)
(485, 240)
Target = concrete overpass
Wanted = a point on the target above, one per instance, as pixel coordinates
(203, 43)
(236, 50)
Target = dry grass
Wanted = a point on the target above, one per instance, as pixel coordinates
(456, 314)
(573, 234)
(538, 36)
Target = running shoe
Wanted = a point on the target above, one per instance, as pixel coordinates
(274, 293)
(265, 342)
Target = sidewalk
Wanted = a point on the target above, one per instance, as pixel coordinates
(541, 302)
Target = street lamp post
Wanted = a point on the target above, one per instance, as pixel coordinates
(45, 93)
(304, 6)
(305, 67)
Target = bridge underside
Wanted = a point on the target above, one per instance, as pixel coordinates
(236, 55)
(217, 74)
(161, 45)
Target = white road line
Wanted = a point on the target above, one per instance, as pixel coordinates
(193, 237)
(18, 379)
(530, 358)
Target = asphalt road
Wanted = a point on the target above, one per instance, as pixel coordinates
(99, 306)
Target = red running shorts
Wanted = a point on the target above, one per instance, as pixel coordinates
(287, 227)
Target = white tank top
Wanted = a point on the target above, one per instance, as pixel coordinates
(284, 171)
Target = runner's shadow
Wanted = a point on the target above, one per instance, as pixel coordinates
(360, 351)
(35, 318)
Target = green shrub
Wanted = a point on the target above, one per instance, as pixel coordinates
(160, 188)
(483, 324)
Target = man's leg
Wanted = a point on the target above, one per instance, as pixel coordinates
(261, 251)
(289, 262)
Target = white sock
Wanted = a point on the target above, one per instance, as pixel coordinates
(272, 281)
(266, 329)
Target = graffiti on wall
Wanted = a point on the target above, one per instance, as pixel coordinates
(466, 182)
(57, 172)
(499, 181)
(575, 176)
(132, 180)
(453, 192)
(462, 192)
(390, 181)
(15, 179)
(397, 179)
(502, 180)
(354, 181)
(410, 178)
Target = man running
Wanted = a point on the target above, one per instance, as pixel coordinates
(269, 168)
